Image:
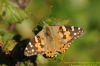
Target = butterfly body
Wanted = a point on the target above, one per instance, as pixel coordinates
(51, 40)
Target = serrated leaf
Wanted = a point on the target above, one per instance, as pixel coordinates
(10, 13)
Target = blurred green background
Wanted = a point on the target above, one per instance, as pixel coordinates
(82, 13)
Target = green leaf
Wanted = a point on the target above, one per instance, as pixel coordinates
(10, 13)
(22, 64)
(41, 59)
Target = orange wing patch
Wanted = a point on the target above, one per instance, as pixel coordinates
(63, 47)
(50, 53)
(39, 43)
(63, 33)
(67, 35)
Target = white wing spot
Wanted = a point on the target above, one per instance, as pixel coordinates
(75, 34)
(79, 28)
(72, 27)
(30, 44)
(36, 39)
(63, 27)
(32, 50)
(26, 48)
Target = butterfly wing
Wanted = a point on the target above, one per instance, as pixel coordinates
(30, 49)
(35, 46)
(67, 35)
(47, 40)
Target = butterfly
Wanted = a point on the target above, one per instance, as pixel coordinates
(52, 40)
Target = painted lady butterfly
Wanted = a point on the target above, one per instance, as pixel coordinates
(52, 40)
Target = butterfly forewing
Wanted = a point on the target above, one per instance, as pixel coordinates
(30, 50)
(75, 32)
(35, 46)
